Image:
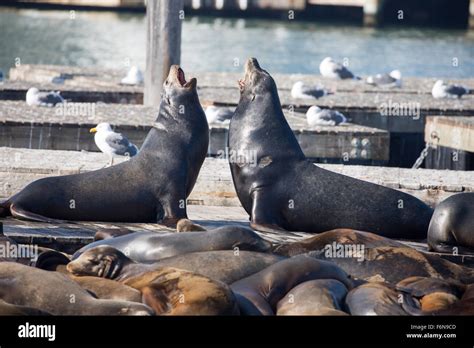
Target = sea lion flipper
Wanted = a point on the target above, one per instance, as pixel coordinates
(20, 213)
(186, 225)
(262, 217)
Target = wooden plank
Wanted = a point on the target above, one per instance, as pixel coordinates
(92, 77)
(214, 186)
(67, 128)
(163, 45)
(452, 132)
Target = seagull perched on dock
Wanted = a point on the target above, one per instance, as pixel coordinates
(111, 143)
(215, 114)
(301, 91)
(36, 98)
(392, 79)
(442, 90)
(134, 77)
(332, 69)
(315, 116)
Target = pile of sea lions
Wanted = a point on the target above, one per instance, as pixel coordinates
(351, 266)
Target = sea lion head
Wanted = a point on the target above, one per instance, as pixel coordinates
(176, 89)
(256, 82)
(102, 261)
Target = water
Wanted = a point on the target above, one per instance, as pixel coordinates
(114, 40)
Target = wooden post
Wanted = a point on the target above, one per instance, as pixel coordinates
(163, 49)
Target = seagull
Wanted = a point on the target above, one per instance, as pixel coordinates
(316, 116)
(334, 70)
(134, 77)
(111, 143)
(442, 90)
(392, 79)
(218, 115)
(301, 91)
(37, 98)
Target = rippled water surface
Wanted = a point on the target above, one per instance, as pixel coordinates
(213, 44)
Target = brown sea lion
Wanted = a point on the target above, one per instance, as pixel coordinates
(259, 293)
(314, 297)
(393, 264)
(422, 286)
(437, 301)
(375, 299)
(340, 236)
(186, 225)
(226, 266)
(55, 293)
(171, 291)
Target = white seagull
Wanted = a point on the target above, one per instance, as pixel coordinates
(315, 116)
(215, 114)
(111, 143)
(301, 91)
(442, 90)
(392, 79)
(36, 98)
(332, 69)
(134, 77)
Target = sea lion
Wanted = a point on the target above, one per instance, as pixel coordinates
(150, 187)
(433, 293)
(339, 236)
(171, 291)
(10, 309)
(55, 293)
(465, 306)
(315, 297)
(452, 225)
(152, 246)
(422, 286)
(375, 299)
(393, 264)
(226, 266)
(259, 293)
(186, 225)
(281, 190)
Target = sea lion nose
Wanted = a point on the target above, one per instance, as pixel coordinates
(252, 63)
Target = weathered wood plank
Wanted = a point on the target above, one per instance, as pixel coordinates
(63, 128)
(91, 77)
(453, 132)
(214, 186)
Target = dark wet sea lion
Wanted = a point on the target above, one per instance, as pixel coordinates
(226, 266)
(259, 293)
(375, 299)
(172, 291)
(340, 236)
(150, 187)
(422, 286)
(314, 297)
(393, 264)
(452, 225)
(152, 246)
(280, 189)
(55, 293)
(10, 309)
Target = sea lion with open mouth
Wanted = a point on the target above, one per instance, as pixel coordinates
(281, 190)
(150, 187)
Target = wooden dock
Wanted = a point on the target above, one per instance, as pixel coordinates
(361, 103)
(214, 186)
(453, 142)
(53, 129)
